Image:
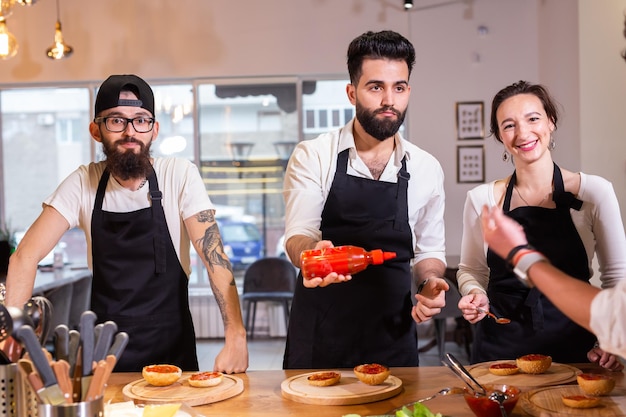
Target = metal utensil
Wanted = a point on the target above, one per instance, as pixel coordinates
(499, 320)
(87, 324)
(45, 324)
(72, 351)
(499, 397)
(51, 392)
(444, 391)
(11, 318)
(459, 370)
(441, 392)
(119, 344)
(104, 340)
(61, 342)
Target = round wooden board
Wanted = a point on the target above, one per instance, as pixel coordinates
(142, 392)
(348, 391)
(546, 402)
(557, 374)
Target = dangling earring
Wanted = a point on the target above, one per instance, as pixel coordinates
(506, 156)
(552, 144)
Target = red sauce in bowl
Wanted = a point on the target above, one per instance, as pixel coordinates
(482, 406)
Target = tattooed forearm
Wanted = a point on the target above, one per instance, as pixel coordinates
(221, 303)
(206, 216)
(212, 249)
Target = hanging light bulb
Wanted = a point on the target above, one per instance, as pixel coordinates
(8, 43)
(59, 48)
(408, 4)
(6, 8)
(27, 2)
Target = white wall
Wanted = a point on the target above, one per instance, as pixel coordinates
(571, 46)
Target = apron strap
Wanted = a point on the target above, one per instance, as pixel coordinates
(402, 215)
(564, 200)
(158, 217)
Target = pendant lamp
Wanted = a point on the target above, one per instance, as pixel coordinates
(59, 48)
(8, 43)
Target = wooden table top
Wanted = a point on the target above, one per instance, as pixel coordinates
(262, 394)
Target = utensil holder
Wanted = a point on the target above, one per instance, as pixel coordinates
(9, 393)
(27, 400)
(93, 408)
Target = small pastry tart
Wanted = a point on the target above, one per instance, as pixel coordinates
(324, 379)
(534, 363)
(595, 384)
(371, 373)
(205, 379)
(580, 401)
(161, 375)
(503, 368)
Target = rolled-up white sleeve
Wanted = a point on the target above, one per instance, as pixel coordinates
(608, 312)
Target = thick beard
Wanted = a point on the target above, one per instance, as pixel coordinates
(380, 129)
(127, 164)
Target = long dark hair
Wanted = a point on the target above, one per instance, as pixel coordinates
(386, 44)
(523, 87)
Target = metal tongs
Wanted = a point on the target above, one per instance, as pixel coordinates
(455, 366)
(459, 370)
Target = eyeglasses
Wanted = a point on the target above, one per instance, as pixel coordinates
(118, 124)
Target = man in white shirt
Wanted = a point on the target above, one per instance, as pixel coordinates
(365, 185)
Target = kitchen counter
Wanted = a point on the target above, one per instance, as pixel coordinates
(262, 394)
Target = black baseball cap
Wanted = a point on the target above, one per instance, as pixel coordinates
(109, 93)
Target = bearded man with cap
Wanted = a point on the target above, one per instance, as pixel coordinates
(139, 215)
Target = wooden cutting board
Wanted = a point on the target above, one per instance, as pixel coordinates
(558, 374)
(546, 402)
(142, 392)
(348, 391)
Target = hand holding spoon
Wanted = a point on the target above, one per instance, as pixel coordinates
(499, 320)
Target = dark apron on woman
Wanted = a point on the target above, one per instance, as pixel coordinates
(537, 326)
(367, 319)
(138, 282)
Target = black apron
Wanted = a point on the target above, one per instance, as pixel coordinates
(367, 319)
(537, 326)
(138, 282)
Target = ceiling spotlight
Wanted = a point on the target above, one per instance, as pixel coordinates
(8, 43)
(408, 4)
(59, 48)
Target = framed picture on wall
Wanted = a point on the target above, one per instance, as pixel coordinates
(470, 120)
(470, 166)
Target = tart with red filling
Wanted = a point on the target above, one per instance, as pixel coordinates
(371, 373)
(595, 384)
(324, 379)
(205, 379)
(503, 368)
(580, 401)
(534, 363)
(161, 375)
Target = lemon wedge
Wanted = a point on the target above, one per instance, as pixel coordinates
(160, 410)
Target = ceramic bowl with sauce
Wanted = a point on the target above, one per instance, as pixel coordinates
(482, 406)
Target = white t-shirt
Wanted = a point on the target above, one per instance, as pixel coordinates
(310, 175)
(183, 190)
(598, 222)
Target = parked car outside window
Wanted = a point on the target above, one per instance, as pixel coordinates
(243, 242)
